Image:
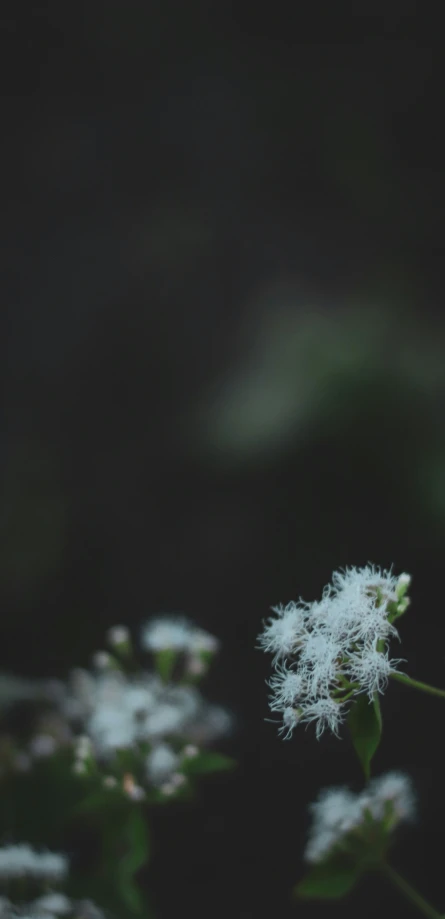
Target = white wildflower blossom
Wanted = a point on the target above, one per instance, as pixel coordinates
(138, 711)
(367, 580)
(210, 723)
(283, 634)
(331, 650)
(288, 685)
(102, 660)
(326, 713)
(190, 751)
(50, 906)
(162, 761)
(291, 717)
(20, 861)
(118, 635)
(53, 902)
(176, 634)
(109, 781)
(395, 787)
(371, 669)
(337, 812)
(42, 745)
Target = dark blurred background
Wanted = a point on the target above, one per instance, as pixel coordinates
(224, 377)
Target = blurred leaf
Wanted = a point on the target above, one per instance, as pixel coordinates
(165, 661)
(136, 841)
(102, 801)
(330, 880)
(365, 725)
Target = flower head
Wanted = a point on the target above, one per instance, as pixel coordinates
(337, 812)
(331, 650)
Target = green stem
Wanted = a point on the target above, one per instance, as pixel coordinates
(416, 684)
(410, 893)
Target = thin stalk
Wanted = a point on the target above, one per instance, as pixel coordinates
(416, 684)
(410, 892)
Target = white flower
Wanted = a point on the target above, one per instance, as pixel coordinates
(176, 634)
(102, 660)
(53, 902)
(42, 745)
(202, 641)
(166, 633)
(111, 728)
(369, 580)
(395, 787)
(210, 723)
(331, 650)
(291, 717)
(109, 781)
(190, 751)
(334, 813)
(371, 668)
(22, 861)
(337, 812)
(326, 712)
(118, 635)
(282, 635)
(161, 763)
(287, 685)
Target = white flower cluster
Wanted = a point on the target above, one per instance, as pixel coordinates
(178, 634)
(108, 710)
(50, 906)
(120, 706)
(337, 813)
(117, 711)
(327, 651)
(22, 861)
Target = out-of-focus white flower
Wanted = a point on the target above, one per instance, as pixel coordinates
(176, 634)
(80, 767)
(330, 650)
(53, 902)
(190, 751)
(83, 747)
(210, 723)
(50, 906)
(109, 781)
(166, 634)
(42, 745)
(102, 660)
(395, 787)
(337, 812)
(161, 763)
(22, 860)
(195, 666)
(118, 635)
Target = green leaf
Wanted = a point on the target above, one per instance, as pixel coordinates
(330, 880)
(102, 802)
(165, 661)
(365, 725)
(136, 840)
(207, 762)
